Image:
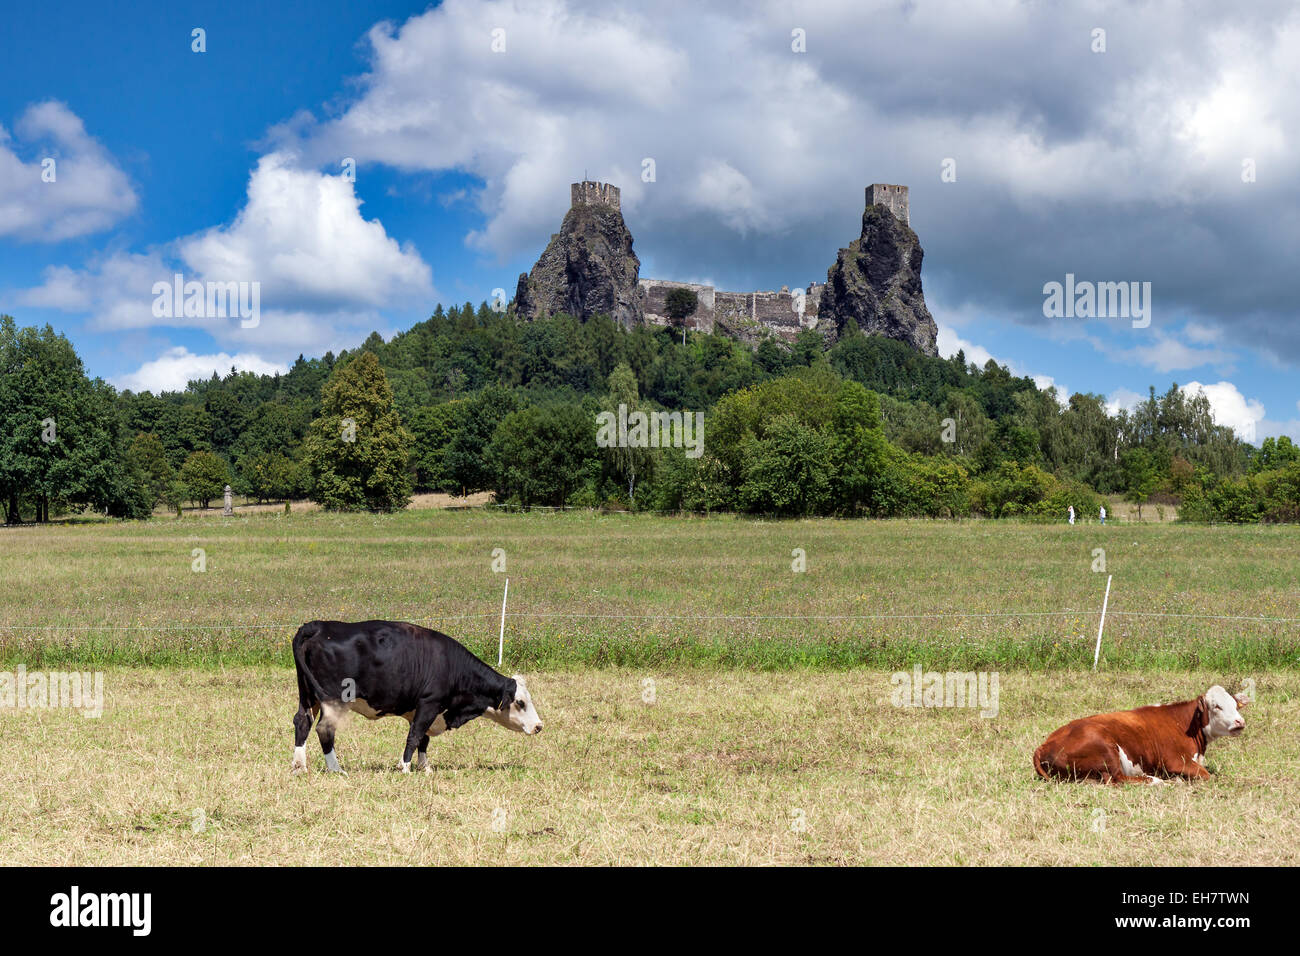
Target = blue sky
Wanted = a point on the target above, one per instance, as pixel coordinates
(1115, 164)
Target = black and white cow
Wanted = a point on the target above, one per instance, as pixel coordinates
(382, 668)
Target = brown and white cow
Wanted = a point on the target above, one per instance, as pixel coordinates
(1140, 746)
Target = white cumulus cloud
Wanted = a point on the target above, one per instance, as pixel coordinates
(1230, 407)
(178, 366)
(950, 343)
(1167, 354)
(301, 234)
(87, 192)
(323, 270)
(1123, 398)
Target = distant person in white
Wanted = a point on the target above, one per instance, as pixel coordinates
(1071, 514)
(1103, 514)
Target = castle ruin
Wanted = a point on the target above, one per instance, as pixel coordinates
(588, 193)
(893, 198)
(742, 314)
(747, 314)
(589, 268)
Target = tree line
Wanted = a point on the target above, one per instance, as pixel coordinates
(473, 400)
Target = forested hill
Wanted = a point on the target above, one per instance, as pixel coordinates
(462, 350)
(487, 402)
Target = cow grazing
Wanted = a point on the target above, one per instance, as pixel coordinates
(382, 668)
(1135, 746)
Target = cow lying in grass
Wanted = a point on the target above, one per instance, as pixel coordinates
(385, 668)
(1142, 745)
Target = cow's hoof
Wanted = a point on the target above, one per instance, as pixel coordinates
(403, 766)
(297, 768)
(428, 768)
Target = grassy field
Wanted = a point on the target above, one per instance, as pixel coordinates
(192, 767)
(771, 736)
(639, 590)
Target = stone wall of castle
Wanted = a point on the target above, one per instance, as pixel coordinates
(893, 198)
(745, 315)
(654, 301)
(588, 193)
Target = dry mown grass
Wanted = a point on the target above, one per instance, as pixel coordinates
(716, 771)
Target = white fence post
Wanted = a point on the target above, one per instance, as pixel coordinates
(1100, 627)
(501, 641)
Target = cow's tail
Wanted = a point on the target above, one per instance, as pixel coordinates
(309, 692)
(1041, 762)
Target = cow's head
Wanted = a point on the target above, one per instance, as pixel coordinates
(1222, 713)
(515, 710)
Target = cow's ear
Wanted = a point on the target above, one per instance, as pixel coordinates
(1199, 717)
(507, 696)
(1242, 700)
